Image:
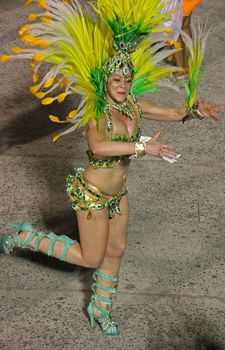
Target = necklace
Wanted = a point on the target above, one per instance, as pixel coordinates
(124, 108)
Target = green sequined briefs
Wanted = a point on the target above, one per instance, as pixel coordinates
(85, 196)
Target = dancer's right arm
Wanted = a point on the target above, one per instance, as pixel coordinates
(100, 146)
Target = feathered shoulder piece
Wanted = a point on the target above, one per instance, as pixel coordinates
(73, 47)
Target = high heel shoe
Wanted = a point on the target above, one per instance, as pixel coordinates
(8, 243)
(104, 319)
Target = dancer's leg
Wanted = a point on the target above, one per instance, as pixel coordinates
(186, 27)
(116, 246)
(117, 240)
(93, 237)
(106, 276)
(181, 57)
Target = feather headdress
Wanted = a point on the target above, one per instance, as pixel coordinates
(133, 24)
(131, 20)
(74, 47)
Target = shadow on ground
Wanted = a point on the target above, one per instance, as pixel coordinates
(34, 124)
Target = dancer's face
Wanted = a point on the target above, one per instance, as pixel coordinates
(118, 87)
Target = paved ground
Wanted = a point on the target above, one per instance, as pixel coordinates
(172, 280)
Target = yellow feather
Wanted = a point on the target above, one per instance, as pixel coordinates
(16, 49)
(5, 58)
(56, 137)
(43, 44)
(49, 82)
(46, 19)
(64, 83)
(32, 17)
(34, 89)
(169, 30)
(147, 13)
(39, 57)
(40, 95)
(30, 39)
(42, 3)
(28, 3)
(48, 100)
(54, 119)
(62, 97)
(71, 115)
(24, 29)
(35, 77)
(33, 63)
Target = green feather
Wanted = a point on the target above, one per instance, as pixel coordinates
(98, 81)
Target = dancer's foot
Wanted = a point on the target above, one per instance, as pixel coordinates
(19, 239)
(38, 241)
(99, 308)
(103, 317)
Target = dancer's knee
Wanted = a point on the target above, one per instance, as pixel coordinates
(94, 261)
(116, 251)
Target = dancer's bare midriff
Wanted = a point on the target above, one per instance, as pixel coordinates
(109, 180)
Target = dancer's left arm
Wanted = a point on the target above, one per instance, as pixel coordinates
(176, 114)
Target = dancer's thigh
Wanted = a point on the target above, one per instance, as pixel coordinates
(118, 229)
(93, 234)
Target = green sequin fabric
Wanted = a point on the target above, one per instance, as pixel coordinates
(120, 60)
(126, 108)
(113, 161)
(85, 196)
(125, 138)
(100, 163)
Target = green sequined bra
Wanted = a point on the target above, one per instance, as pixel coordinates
(113, 161)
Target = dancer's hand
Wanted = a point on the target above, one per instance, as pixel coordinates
(209, 110)
(154, 148)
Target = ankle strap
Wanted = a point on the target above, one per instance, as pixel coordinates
(104, 312)
(67, 244)
(102, 299)
(98, 285)
(40, 235)
(64, 239)
(28, 239)
(104, 288)
(113, 278)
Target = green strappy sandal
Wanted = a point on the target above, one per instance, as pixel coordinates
(108, 326)
(8, 243)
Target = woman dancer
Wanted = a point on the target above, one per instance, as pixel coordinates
(110, 75)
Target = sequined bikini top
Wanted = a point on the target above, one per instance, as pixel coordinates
(127, 109)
